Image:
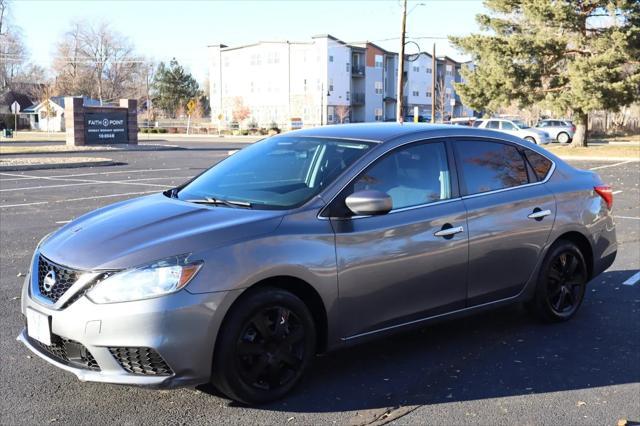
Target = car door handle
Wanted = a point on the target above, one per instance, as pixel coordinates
(539, 214)
(449, 232)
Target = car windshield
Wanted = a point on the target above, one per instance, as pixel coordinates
(277, 173)
(520, 124)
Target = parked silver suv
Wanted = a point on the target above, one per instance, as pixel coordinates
(308, 242)
(517, 128)
(559, 130)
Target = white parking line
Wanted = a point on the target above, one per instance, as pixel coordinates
(633, 279)
(83, 182)
(27, 177)
(627, 217)
(106, 196)
(79, 199)
(4, 206)
(616, 192)
(611, 165)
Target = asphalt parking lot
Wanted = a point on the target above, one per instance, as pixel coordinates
(501, 367)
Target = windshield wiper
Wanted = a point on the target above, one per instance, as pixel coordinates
(219, 201)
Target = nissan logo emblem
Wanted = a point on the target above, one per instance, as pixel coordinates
(49, 281)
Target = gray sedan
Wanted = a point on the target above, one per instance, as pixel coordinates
(312, 241)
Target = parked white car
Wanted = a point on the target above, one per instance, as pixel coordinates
(559, 130)
(516, 128)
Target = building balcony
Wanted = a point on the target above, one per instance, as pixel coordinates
(357, 70)
(357, 99)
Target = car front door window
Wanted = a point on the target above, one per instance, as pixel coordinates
(412, 176)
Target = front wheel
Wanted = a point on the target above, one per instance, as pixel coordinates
(530, 139)
(264, 346)
(561, 283)
(563, 137)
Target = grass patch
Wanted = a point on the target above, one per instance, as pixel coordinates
(597, 151)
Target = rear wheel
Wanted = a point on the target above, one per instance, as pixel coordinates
(561, 283)
(264, 346)
(530, 139)
(563, 137)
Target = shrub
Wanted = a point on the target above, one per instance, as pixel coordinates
(161, 130)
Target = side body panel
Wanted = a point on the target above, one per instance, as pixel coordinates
(504, 244)
(393, 270)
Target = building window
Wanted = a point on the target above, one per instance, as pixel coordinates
(415, 93)
(378, 113)
(428, 93)
(348, 95)
(378, 87)
(378, 60)
(428, 70)
(330, 58)
(348, 67)
(331, 85)
(416, 69)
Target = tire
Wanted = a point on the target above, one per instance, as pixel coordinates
(530, 139)
(561, 285)
(563, 137)
(265, 344)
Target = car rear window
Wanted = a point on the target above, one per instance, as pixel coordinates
(488, 166)
(540, 164)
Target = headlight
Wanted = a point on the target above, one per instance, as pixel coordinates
(157, 279)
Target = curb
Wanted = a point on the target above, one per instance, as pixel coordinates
(90, 151)
(586, 158)
(43, 166)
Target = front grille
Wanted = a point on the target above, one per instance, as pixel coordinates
(64, 278)
(68, 352)
(145, 361)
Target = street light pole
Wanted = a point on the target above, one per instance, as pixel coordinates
(321, 102)
(399, 105)
(433, 84)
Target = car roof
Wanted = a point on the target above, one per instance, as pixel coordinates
(373, 132)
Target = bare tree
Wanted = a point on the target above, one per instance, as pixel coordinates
(440, 98)
(13, 53)
(240, 111)
(342, 112)
(95, 60)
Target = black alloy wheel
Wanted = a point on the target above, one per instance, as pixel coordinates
(561, 283)
(264, 346)
(271, 349)
(566, 279)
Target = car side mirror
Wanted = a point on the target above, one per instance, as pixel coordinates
(369, 203)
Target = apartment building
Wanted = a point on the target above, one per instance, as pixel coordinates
(321, 81)
(418, 90)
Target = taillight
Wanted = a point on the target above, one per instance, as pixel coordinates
(573, 128)
(605, 192)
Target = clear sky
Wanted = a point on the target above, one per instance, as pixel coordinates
(161, 29)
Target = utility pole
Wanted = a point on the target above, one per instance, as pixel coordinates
(399, 117)
(433, 84)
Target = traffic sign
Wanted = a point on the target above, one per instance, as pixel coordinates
(191, 106)
(15, 107)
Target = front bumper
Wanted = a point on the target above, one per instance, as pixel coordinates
(180, 328)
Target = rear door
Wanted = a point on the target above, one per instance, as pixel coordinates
(510, 216)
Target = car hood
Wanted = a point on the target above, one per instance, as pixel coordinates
(142, 230)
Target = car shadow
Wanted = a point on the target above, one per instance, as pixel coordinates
(499, 353)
